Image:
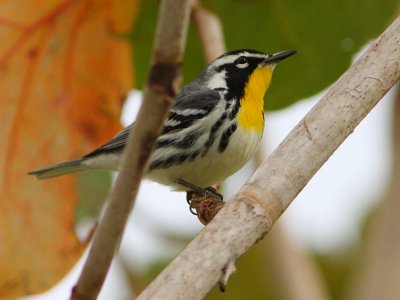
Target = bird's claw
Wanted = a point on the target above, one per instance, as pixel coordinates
(210, 192)
(197, 194)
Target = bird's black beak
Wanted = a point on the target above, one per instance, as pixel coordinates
(277, 57)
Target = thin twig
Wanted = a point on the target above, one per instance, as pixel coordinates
(158, 96)
(251, 213)
(209, 29)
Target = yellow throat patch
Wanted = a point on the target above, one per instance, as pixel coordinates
(250, 114)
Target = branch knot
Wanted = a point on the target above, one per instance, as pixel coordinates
(165, 78)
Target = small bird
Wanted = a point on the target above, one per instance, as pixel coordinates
(213, 129)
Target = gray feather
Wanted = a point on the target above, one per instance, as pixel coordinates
(117, 143)
(68, 167)
(205, 99)
(197, 99)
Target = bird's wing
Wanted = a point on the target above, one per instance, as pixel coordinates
(187, 109)
(196, 99)
(190, 107)
(115, 144)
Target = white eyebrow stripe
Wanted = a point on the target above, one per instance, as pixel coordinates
(231, 58)
(225, 60)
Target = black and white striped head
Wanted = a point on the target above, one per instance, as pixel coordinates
(232, 70)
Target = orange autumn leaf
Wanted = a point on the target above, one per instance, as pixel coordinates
(64, 72)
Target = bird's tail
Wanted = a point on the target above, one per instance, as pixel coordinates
(71, 166)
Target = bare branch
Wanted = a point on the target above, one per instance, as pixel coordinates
(159, 94)
(251, 213)
(209, 29)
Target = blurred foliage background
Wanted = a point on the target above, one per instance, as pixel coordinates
(327, 35)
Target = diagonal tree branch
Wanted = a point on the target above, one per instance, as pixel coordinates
(290, 262)
(251, 213)
(162, 85)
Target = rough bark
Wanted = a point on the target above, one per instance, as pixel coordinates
(250, 214)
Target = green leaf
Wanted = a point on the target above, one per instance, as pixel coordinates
(326, 33)
(93, 188)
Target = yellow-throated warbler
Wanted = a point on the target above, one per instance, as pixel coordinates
(212, 130)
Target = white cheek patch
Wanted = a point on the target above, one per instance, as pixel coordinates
(217, 81)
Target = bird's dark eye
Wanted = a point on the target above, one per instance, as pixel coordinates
(241, 62)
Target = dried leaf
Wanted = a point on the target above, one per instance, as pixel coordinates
(64, 72)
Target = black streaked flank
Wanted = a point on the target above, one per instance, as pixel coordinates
(188, 141)
(225, 137)
(235, 109)
(193, 156)
(175, 159)
(213, 132)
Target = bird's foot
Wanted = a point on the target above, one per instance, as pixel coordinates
(203, 202)
(207, 192)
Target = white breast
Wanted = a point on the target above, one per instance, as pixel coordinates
(214, 167)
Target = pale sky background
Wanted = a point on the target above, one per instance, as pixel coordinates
(325, 216)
